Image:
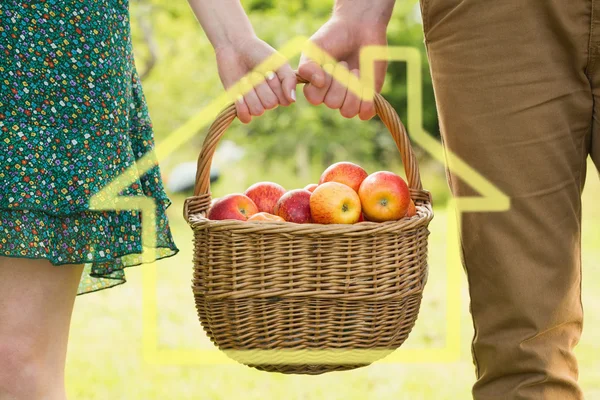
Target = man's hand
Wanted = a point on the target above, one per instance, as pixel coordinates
(353, 25)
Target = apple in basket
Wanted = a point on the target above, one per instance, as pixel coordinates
(233, 206)
(344, 172)
(384, 197)
(265, 195)
(294, 206)
(265, 217)
(335, 203)
(311, 187)
(412, 209)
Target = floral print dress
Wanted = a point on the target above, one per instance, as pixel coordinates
(73, 118)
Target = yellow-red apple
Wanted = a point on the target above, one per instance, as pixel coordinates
(311, 187)
(265, 217)
(233, 206)
(384, 197)
(294, 206)
(335, 203)
(346, 173)
(265, 195)
(412, 209)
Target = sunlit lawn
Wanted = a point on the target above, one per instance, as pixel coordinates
(105, 358)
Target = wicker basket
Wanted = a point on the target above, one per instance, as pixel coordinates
(308, 299)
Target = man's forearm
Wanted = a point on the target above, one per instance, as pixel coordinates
(377, 12)
(224, 21)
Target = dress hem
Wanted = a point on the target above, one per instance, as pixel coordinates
(117, 281)
(121, 281)
(98, 261)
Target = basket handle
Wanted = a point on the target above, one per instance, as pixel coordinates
(383, 109)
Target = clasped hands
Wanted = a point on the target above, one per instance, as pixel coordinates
(342, 37)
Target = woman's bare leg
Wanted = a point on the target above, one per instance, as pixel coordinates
(36, 303)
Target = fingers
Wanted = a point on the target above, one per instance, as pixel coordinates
(380, 69)
(312, 72)
(351, 106)
(269, 91)
(251, 98)
(248, 104)
(287, 77)
(265, 94)
(279, 88)
(342, 92)
(367, 107)
(348, 95)
(276, 86)
(367, 110)
(243, 113)
(339, 87)
(319, 81)
(316, 95)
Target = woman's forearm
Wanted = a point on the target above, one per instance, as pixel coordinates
(224, 21)
(376, 12)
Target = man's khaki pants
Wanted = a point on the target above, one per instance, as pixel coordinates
(517, 85)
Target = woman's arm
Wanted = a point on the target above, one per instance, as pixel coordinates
(239, 51)
(224, 21)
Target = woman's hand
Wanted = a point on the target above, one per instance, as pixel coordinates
(237, 59)
(353, 25)
(240, 52)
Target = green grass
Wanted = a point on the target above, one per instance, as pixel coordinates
(105, 360)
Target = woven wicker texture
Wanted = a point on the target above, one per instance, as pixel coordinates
(282, 287)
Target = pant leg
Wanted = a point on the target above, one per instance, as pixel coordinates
(515, 103)
(594, 75)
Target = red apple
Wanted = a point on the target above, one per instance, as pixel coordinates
(384, 197)
(233, 206)
(346, 173)
(311, 188)
(362, 217)
(265, 195)
(335, 203)
(412, 209)
(294, 206)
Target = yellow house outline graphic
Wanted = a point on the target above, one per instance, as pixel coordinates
(490, 199)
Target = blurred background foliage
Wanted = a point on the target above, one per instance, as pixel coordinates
(177, 62)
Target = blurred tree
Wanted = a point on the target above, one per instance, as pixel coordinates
(144, 20)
